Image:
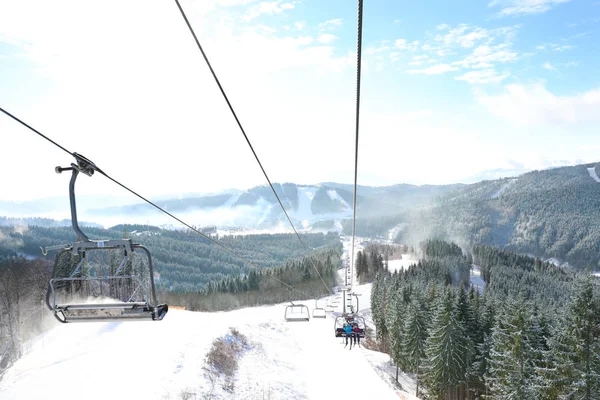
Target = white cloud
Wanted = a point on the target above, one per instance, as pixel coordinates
(563, 47)
(403, 44)
(441, 27)
(383, 47)
(326, 38)
(150, 91)
(422, 59)
(300, 25)
(548, 66)
(485, 56)
(535, 105)
(434, 70)
(522, 7)
(555, 47)
(331, 24)
(482, 76)
(464, 36)
(267, 7)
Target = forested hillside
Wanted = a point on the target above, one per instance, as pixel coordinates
(184, 261)
(534, 333)
(551, 213)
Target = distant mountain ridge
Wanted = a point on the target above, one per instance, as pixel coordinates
(552, 213)
(549, 213)
(319, 206)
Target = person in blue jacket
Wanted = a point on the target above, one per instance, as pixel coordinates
(349, 334)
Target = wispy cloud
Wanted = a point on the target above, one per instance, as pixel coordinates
(486, 56)
(434, 70)
(554, 47)
(381, 48)
(420, 60)
(548, 66)
(300, 25)
(482, 76)
(451, 48)
(267, 7)
(463, 36)
(403, 44)
(331, 24)
(326, 38)
(524, 7)
(535, 105)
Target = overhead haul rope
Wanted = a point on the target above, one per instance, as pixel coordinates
(248, 140)
(358, 70)
(154, 205)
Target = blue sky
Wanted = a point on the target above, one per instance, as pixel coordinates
(450, 89)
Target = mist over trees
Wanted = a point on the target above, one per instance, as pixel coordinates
(550, 213)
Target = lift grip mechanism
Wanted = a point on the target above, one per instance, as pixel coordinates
(84, 166)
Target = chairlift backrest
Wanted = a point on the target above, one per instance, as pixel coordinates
(97, 280)
(297, 312)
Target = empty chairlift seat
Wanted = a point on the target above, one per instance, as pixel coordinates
(318, 312)
(101, 280)
(297, 312)
(113, 282)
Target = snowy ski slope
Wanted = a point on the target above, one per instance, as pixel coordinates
(161, 360)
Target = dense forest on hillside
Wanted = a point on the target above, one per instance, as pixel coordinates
(551, 213)
(184, 261)
(267, 286)
(534, 333)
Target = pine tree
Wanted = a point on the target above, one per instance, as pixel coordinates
(577, 346)
(484, 345)
(465, 317)
(511, 367)
(415, 336)
(445, 347)
(395, 326)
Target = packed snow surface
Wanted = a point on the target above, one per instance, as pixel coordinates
(476, 279)
(503, 188)
(593, 174)
(166, 359)
(399, 265)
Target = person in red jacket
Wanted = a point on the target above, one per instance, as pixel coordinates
(356, 331)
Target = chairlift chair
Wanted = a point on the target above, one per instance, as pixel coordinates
(343, 319)
(101, 280)
(318, 312)
(297, 312)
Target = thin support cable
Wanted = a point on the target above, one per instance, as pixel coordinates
(212, 71)
(156, 206)
(358, 73)
(34, 130)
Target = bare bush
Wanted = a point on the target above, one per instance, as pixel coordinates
(187, 394)
(222, 358)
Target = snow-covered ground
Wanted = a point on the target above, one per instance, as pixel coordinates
(162, 360)
(503, 188)
(476, 279)
(406, 261)
(592, 172)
